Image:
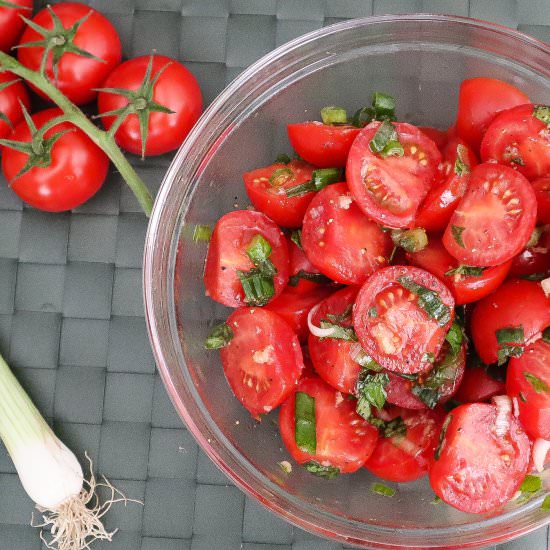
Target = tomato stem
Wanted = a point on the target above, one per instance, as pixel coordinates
(73, 114)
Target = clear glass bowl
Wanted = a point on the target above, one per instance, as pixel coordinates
(420, 60)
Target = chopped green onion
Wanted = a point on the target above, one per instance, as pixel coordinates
(442, 434)
(546, 335)
(454, 337)
(540, 386)
(305, 434)
(385, 141)
(382, 108)
(318, 278)
(428, 300)
(510, 341)
(219, 337)
(410, 240)
(202, 233)
(542, 112)
(339, 332)
(320, 178)
(362, 117)
(546, 503)
(258, 250)
(281, 176)
(381, 489)
(531, 484)
(371, 391)
(328, 472)
(296, 238)
(283, 158)
(334, 115)
(467, 270)
(461, 167)
(457, 231)
(258, 287)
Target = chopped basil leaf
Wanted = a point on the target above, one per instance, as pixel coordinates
(281, 176)
(531, 484)
(283, 158)
(296, 238)
(468, 270)
(334, 115)
(370, 389)
(510, 341)
(257, 286)
(339, 332)
(441, 443)
(318, 278)
(385, 141)
(372, 312)
(545, 503)
(522, 397)
(328, 472)
(340, 317)
(367, 362)
(320, 178)
(542, 112)
(454, 337)
(505, 352)
(428, 300)
(457, 234)
(412, 377)
(411, 240)
(546, 335)
(202, 233)
(461, 167)
(305, 433)
(381, 489)
(219, 337)
(540, 386)
(391, 428)
(437, 500)
(428, 357)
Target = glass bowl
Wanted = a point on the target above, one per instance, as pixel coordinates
(420, 60)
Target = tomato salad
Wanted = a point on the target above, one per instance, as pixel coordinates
(409, 267)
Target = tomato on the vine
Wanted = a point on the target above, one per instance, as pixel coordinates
(13, 95)
(11, 23)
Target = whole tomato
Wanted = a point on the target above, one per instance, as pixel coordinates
(84, 60)
(175, 89)
(12, 94)
(70, 172)
(11, 24)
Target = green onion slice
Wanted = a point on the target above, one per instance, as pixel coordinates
(202, 233)
(384, 490)
(334, 115)
(219, 337)
(385, 141)
(281, 176)
(320, 178)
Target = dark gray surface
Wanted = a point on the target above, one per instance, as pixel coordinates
(71, 312)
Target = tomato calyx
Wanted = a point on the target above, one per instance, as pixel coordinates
(140, 103)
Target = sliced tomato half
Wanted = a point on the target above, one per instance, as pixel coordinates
(542, 192)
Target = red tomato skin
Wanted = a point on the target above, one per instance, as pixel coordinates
(11, 98)
(340, 443)
(517, 302)
(227, 254)
(541, 187)
(492, 244)
(298, 261)
(465, 288)
(399, 182)
(439, 137)
(413, 324)
(350, 247)
(478, 471)
(272, 201)
(478, 386)
(176, 89)
(77, 171)
(534, 406)
(78, 76)
(11, 24)
(322, 145)
(407, 458)
(479, 100)
(534, 260)
(263, 362)
(331, 357)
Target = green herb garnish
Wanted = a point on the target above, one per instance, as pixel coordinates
(428, 300)
(371, 392)
(219, 337)
(320, 178)
(410, 240)
(385, 141)
(454, 337)
(457, 231)
(202, 233)
(461, 167)
(540, 386)
(318, 278)
(510, 343)
(468, 270)
(334, 115)
(381, 489)
(339, 332)
(304, 412)
(542, 112)
(328, 472)
(441, 443)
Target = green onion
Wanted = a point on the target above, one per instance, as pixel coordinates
(318, 278)
(542, 112)
(456, 232)
(510, 341)
(467, 270)
(385, 141)
(334, 115)
(381, 489)
(454, 337)
(540, 386)
(428, 300)
(283, 158)
(304, 412)
(442, 434)
(328, 472)
(461, 167)
(531, 484)
(202, 233)
(219, 337)
(258, 288)
(258, 250)
(371, 391)
(320, 178)
(281, 176)
(296, 238)
(382, 108)
(411, 240)
(546, 503)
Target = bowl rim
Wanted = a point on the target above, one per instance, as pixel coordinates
(151, 293)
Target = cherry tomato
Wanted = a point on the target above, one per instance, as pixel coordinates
(477, 470)
(439, 137)
(78, 76)
(11, 98)
(331, 357)
(494, 219)
(77, 170)
(467, 284)
(406, 456)
(390, 190)
(176, 89)
(436, 387)
(542, 192)
(517, 138)
(479, 100)
(401, 317)
(517, 304)
(266, 189)
(227, 256)
(533, 261)
(263, 361)
(344, 440)
(339, 240)
(322, 144)
(11, 24)
(304, 277)
(478, 385)
(442, 199)
(528, 380)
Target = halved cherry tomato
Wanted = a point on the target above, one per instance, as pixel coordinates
(11, 24)
(390, 190)
(294, 307)
(478, 385)
(542, 192)
(339, 240)
(477, 470)
(12, 96)
(344, 439)
(331, 357)
(263, 361)
(407, 456)
(439, 137)
(517, 304)
(466, 284)
(227, 255)
(528, 380)
(494, 219)
(303, 275)
(442, 199)
(440, 384)
(322, 144)
(533, 261)
(401, 317)
(517, 138)
(479, 100)
(266, 188)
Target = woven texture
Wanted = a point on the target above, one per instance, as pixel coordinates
(71, 311)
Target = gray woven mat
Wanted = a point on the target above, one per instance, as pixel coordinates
(71, 313)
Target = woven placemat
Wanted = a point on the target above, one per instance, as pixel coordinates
(71, 311)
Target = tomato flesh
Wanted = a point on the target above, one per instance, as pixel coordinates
(477, 385)
(344, 439)
(542, 192)
(439, 137)
(533, 261)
